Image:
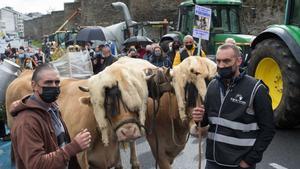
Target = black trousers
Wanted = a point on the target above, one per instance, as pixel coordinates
(213, 165)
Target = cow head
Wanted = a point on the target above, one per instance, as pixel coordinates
(158, 82)
(119, 99)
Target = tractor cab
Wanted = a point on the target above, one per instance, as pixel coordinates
(225, 23)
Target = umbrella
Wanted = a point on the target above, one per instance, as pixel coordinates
(137, 40)
(91, 33)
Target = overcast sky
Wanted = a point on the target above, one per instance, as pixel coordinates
(26, 6)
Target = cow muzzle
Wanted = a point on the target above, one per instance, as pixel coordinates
(129, 130)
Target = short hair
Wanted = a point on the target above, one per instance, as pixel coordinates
(36, 74)
(188, 37)
(235, 49)
(230, 40)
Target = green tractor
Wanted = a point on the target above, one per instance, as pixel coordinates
(225, 23)
(275, 59)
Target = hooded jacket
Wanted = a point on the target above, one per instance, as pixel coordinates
(34, 142)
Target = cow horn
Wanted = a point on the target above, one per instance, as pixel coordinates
(84, 89)
(149, 77)
(149, 74)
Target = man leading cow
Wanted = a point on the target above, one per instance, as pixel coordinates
(239, 113)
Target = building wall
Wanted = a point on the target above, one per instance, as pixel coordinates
(100, 12)
(142, 10)
(9, 19)
(268, 12)
(69, 9)
(12, 21)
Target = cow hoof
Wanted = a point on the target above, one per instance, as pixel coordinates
(135, 167)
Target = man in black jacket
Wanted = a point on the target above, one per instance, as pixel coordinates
(239, 113)
(108, 57)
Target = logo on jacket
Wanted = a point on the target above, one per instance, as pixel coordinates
(238, 99)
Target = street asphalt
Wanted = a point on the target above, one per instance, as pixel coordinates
(283, 153)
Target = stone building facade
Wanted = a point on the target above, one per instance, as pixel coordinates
(100, 12)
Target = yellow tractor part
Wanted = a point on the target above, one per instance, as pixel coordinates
(269, 71)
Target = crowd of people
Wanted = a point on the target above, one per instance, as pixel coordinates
(102, 56)
(25, 57)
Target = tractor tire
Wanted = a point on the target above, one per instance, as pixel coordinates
(273, 62)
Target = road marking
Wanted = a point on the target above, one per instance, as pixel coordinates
(277, 166)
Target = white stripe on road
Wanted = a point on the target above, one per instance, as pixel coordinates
(277, 166)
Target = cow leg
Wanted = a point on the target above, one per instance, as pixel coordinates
(133, 156)
(119, 164)
(164, 162)
(82, 160)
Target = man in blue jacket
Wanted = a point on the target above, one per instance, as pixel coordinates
(239, 113)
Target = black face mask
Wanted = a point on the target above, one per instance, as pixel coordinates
(226, 72)
(175, 47)
(189, 47)
(50, 94)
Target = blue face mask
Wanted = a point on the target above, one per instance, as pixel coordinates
(157, 54)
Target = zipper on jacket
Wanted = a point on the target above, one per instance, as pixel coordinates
(217, 125)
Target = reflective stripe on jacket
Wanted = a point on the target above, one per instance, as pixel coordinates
(234, 128)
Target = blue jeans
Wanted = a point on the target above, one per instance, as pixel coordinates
(213, 165)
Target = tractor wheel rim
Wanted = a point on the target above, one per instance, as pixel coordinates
(269, 71)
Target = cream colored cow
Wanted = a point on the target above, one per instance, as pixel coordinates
(191, 70)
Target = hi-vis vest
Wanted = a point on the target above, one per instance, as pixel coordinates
(233, 126)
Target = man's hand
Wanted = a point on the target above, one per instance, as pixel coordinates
(198, 113)
(243, 164)
(83, 138)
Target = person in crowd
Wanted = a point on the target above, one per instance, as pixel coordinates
(88, 47)
(140, 50)
(39, 57)
(132, 52)
(113, 47)
(40, 138)
(173, 49)
(48, 52)
(98, 59)
(158, 58)
(238, 110)
(108, 58)
(21, 55)
(189, 49)
(149, 52)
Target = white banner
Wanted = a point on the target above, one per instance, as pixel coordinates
(202, 22)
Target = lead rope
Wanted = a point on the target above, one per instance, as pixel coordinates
(198, 103)
(154, 114)
(173, 128)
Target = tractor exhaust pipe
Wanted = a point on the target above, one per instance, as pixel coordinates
(124, 8)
